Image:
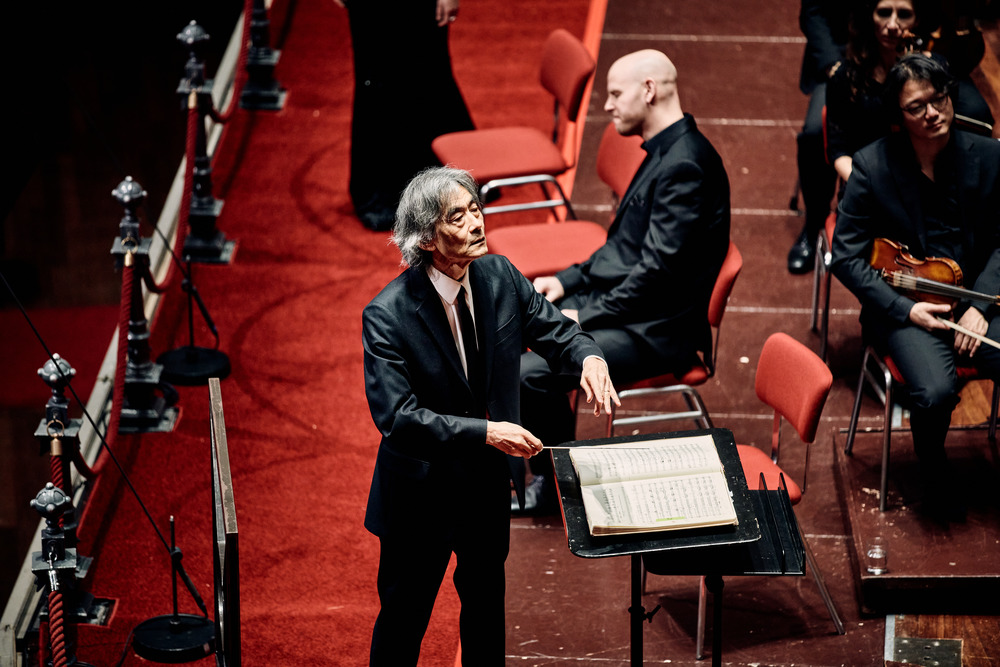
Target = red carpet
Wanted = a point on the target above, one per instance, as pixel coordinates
(301, 440)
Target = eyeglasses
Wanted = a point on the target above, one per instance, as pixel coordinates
(918, 109)
(887, 12)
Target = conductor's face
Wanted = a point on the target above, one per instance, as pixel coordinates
(459, 236)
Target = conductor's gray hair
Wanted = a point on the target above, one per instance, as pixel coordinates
(420, 207)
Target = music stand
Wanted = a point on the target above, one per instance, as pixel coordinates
(765, 541)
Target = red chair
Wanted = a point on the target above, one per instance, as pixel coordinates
(883, 376)
(685, 383)
(542, 249)
(795, 382)
(513, 156)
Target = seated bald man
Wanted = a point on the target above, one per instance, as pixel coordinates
(644, 294)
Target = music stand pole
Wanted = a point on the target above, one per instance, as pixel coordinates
(175, 638)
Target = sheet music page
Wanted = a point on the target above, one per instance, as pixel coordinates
(645, 459)
(659, 504)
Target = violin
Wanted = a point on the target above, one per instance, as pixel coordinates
(933, 279)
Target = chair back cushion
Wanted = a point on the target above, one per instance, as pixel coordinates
(566, 69)
(731, 267)
(618, 158)
(794, 381)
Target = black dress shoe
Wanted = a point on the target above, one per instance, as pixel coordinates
(802, 256)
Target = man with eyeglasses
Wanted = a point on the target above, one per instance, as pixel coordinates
(937, 192)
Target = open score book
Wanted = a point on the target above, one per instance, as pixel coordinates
(653, 485)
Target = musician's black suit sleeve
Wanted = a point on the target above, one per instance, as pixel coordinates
(824, 24)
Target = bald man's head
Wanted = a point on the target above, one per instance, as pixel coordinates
(648, 63)
(642, 93)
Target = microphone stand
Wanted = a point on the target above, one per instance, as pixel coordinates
(181, 637)
(175, 638)
(192, 365)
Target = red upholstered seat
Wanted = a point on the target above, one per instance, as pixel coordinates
(542, 249)
(512, 156)
(502, 152)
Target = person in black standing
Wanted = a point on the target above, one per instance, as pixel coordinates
(442, 346)
(405, 95)
(824, 24)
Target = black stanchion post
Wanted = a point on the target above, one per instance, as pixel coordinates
(58, 435)
(204, 243)
(261, 91)
(55, 568)
(147, 404)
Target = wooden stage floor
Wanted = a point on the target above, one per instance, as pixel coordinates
(738, 73)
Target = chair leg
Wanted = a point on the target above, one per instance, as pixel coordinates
(856, 411)
(824, 330)
(699, 645)
(817, 268)
(821, 585)
(993, 411)
(886, 443)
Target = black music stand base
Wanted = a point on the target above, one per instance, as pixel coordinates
(192, 365)
(174, 638)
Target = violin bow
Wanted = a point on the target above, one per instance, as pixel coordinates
(959, 328)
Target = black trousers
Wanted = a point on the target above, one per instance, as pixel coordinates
(817, 178)
(468, 514)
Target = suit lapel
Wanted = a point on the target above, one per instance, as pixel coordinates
(639, 184)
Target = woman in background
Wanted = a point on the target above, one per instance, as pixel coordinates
(880, 33)
(405, 95)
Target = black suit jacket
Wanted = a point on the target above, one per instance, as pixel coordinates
(419, 396)
(654, 276)
(824, 24)
(881, 199)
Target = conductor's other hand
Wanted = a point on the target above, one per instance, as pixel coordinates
(339, 3)
(596, 383)
(549, 287)
(512, 439)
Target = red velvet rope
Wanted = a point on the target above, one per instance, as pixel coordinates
(189, 150)
(56, 631)
(56, 468)
(81, 465)
(241, 68)
(121, 364)
(150, 282)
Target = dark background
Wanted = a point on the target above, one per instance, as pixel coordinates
(90, 97)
